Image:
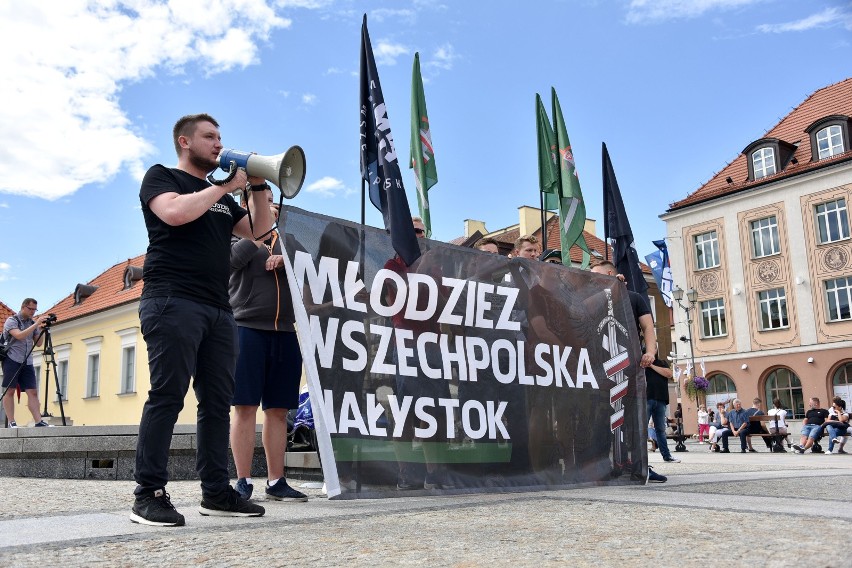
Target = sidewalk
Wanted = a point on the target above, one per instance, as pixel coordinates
(730, 508)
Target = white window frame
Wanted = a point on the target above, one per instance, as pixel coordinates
(832, 214)
(763, 162)
(714, 321)
(62, 356)
(93, 366)
(835, 289)
(772, 302)
(129, 340)
(761, 230)
(703, 242)
(830, 141)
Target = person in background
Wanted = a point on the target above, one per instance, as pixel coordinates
(777, 427)
(718, 426)
(812, 425)
(703, 423)
(837, 425)
(756, 428)
(18, 371)
(269, 365)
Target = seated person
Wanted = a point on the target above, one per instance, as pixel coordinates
(718, 426)
(837, 425)
(756, 428)
(811, 426)
(781, 428)
(738, 426)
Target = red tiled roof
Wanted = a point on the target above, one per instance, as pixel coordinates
(835, 99)
(592, 241)
(6, 312)
(110, 293)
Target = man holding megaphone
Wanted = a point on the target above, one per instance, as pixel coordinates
(186, 318)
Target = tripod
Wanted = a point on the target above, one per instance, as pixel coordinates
(49, 361)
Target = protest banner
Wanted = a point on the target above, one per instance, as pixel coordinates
(464, 371)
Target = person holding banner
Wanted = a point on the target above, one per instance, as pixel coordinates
(437, 477)
(269, 366)
(186, 319)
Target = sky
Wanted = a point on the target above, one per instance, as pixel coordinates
(91, 91)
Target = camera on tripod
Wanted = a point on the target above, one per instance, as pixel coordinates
(49, 320)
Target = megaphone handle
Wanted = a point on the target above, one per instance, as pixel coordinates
(231, 173)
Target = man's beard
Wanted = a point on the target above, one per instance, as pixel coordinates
(202, 163)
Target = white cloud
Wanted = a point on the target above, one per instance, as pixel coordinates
(386, 52)
(827, 18)
(443, 57)
(653, 11)
(5, 266)
(328, 187)
(309, 99)
(333, 71)
(4, 205)
(382, 14)
(61, 121)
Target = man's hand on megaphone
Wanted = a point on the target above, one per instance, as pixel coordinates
(238, 183)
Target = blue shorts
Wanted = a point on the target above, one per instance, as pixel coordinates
(26, 377)
(812, 431)
(269, 369)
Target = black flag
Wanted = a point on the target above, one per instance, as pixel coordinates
(379, 163)
(617, 231)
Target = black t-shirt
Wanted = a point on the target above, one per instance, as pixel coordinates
(640, 306)
(189, 261)
(656, 385)
(816, 416)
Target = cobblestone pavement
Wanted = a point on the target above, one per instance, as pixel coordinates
(732, 508)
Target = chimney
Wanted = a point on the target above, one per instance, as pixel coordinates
(589, 226)
(472, 225)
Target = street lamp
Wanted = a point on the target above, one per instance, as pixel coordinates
(691, 297)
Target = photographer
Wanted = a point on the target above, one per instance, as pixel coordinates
(25, 334)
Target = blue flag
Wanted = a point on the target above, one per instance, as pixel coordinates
(617, 231)
(662, 270)
(379, 163)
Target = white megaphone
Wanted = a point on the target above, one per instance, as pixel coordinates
(287, 170)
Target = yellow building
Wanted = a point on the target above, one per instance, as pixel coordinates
(100, 357)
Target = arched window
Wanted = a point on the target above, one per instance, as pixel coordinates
(842, 383)
(721, 389)
(785, 385)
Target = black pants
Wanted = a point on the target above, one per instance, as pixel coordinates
(186, 339)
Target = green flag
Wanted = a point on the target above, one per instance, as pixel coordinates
(572, 210)
(422, 155)
(548, 167)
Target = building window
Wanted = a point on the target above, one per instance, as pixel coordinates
(127, 372)
(128, 369)
(763, 161)
(713, 322)
(829, 141)
(721, 389)
(773, 309)
(832, 221)
(62, 375)
(838, 293)
(706, 250)
(93, 375)
(842, 383)
(783, 384)
(764, 237)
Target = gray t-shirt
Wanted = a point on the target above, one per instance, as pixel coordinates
(18, 349)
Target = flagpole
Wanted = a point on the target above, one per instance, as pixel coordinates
(543, 222)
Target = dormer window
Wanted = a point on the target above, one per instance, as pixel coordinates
(829, 141)
(763, 162)
(767, 157)
(829, 136)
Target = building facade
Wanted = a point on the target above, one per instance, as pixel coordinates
(766, 245)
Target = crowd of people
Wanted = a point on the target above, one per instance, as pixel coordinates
(731, 419)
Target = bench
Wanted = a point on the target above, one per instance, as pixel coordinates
(777, 439)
